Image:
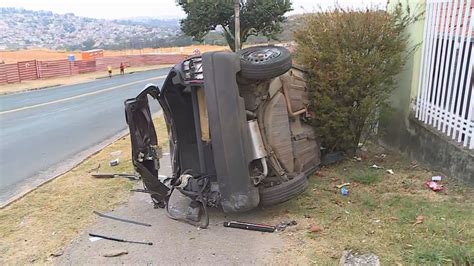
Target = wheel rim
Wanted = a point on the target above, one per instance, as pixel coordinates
(261, 55)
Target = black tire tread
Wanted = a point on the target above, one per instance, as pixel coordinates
(284, 191)
(267, 70)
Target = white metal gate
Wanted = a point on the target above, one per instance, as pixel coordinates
(445, 97)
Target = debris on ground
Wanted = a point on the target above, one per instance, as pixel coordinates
(114, 175)
(343, 185)
(433, 185)
(114, 162)
(57, 253)
(357, 158)
(115, 253)
(419, 219)
(94, 238)
(95, 169)
(376, 166)
(283, 225)
(314, 228)
(344, 191)
(354, 259)
(120, 219)
(120, 240)
(250, 226)
(390, 171)
(436, 178)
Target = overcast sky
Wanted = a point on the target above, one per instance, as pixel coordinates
(111, 9)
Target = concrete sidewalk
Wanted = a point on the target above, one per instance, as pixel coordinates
(175, 242)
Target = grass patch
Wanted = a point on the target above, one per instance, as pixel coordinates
(366, 177)
(380, 212)
(46, 219)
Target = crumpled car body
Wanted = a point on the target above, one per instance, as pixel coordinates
(238, 130)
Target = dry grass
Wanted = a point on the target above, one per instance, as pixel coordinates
(69, 80)
(48, 218)
(45, 54)
(379, 215)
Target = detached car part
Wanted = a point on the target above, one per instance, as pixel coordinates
(238, 131)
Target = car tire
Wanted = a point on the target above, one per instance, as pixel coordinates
(264, 62)
(284, 191)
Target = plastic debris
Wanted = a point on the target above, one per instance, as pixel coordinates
(344, 191)
(343, 185)
(433, 185)
(94, 238)
(376, 166)
(314, 228)
(114, 162)
(436, 178)
(357, 158)
(390, 171)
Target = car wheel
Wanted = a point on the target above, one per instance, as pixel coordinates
(264, 62)
(284, 191)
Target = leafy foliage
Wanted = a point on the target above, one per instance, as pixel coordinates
(257, 17)
(353, 58)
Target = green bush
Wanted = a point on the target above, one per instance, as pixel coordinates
(352, 58)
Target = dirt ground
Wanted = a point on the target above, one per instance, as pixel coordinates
(68, 80)
(45, 54)
(174, 242)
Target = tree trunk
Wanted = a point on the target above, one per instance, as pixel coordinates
(237, 25)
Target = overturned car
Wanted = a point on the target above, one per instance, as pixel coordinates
(238, 131)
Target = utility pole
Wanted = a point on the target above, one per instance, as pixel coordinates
(237, 24)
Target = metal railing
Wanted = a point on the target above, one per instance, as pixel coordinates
(445, 98)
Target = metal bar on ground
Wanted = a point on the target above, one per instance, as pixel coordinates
(120, 240)
(120, 219)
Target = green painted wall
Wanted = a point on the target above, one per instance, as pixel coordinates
(406, 93)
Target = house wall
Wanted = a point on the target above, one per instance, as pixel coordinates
(403, 132)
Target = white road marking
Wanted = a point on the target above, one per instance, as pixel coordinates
(78, 96)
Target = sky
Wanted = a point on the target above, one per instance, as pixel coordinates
(113, 9)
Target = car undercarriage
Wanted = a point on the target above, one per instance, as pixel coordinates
(238, 128)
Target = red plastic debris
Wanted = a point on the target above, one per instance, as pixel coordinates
(314, 228)
(434, 185)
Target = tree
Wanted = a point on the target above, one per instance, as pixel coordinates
(257, 17)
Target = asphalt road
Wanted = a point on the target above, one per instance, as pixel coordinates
(44, 131)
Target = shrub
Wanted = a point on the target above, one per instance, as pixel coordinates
(352, 58)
